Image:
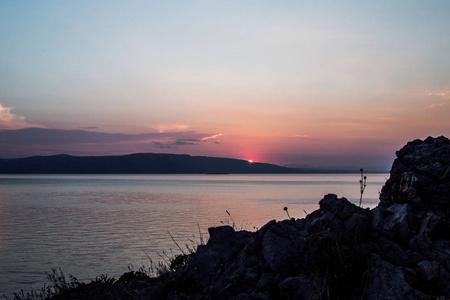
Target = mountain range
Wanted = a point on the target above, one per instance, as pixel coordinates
(139, 163)
(149, 163)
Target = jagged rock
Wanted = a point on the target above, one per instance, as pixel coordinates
(281, 245)
(290, 288)
(395, 222)
(420, 176)
(340, 208)
(389, 282)
(425, 236)
(429, 270)
(444, 279)
(277, 260)
(211, 260)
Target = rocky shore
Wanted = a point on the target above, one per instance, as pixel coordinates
(398, 250)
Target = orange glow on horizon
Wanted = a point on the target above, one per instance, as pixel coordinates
(250, 161)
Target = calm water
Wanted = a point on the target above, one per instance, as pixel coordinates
(100, 224)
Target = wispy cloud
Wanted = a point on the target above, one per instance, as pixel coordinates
(172, 127)
(214, 136)
(186, 142)
(443, 95)
(439, 93)
(89, 127)
(435, 105)
(40, 141)
(10, 120)
(302, 136)
(163, 146)
(174, 144)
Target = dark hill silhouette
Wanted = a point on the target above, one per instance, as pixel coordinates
(140, 163)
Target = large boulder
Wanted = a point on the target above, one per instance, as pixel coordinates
(420, 176)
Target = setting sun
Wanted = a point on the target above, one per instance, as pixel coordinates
(250, 161)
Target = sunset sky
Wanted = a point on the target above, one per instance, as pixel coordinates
(318, 83)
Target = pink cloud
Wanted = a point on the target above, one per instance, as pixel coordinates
(434, 105)
(9, 120)
(438, 93)
(215, 136)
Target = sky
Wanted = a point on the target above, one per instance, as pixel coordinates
(318, 83)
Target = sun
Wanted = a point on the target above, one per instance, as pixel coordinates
(250, 161)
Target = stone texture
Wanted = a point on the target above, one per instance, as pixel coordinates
(420, 176)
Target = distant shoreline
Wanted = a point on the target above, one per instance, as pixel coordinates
(151, 163)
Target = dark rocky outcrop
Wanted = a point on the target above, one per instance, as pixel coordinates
(398, 250)
(420, 176)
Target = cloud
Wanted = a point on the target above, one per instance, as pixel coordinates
(443, 95)
(302, 136)
(41, 141)
(435, 105)
(9, 120)
(172, 128)
(179, 142)
(187, 142)
(89, 127)
(43, 136)
(215, 136)
(163, 146)
(438, 93)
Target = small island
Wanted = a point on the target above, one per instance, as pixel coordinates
(398, 250)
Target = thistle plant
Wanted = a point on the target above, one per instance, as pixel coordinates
(286, 210)
(362, 185)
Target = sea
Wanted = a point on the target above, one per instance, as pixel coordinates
(92, 225)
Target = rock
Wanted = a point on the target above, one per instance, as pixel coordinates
(394, 253)
(388, 282)
(243, 296)
(331, 215)
(420, 176)
(341, 208)
(298, 288)
(429, 270)
(444, 279)
(398, 222)
(212, 259)
(280, 247)
(425, 236)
